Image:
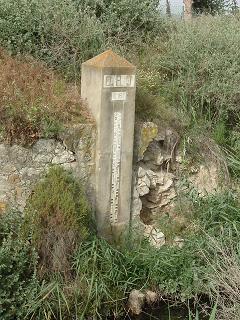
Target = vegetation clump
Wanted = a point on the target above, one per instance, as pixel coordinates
(18, 260)
(58, 219)
(85, 276)
(65, 33)
(35, 102)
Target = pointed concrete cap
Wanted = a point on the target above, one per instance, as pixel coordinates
(109, 59)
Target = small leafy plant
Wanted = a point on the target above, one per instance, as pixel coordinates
(58, 218)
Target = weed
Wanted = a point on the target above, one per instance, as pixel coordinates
(58, 218)
(102, 276)
(202, 66)
(224, 276)
(18, 261)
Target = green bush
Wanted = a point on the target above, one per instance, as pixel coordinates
(122, 17)
(52, 30)
(18, 262)
(58, 219)
(65, 33)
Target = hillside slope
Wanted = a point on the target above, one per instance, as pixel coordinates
(34, 101)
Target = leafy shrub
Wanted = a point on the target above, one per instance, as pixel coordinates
(52, 30)
(10, 223)
(122, 17)
(65, 33)
(17, 269)
(58, 218)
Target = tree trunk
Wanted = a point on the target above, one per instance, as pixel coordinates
(187, 9)
(168, 8)
(235, 7)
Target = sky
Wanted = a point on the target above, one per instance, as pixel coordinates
(177, 5)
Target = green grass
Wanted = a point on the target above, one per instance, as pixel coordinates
(101, 276)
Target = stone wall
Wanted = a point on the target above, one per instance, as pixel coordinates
(154, 186)
(21, 167)
(160, 168)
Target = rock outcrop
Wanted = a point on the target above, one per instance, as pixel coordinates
(160, 167)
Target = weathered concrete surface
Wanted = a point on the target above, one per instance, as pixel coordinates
(21, 168)
(108, 86)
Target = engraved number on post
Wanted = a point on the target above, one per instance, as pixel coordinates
(119, 96)
(119, 81)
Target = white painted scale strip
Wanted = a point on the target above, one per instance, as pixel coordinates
(116, 159)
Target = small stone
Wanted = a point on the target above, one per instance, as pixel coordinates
(141, 172)
(42, 158)
(19, 192)
(14, 178)
(8, 168)
(179, 159)
(155, 236)
(152, 177)
(151, 297)
(179, 241)
(144, 181)
(161, 136)
(45, 146)
(136, 301)
(154, 154)
(167, 185)
(64, 157)
(142, 190)
(143, 186)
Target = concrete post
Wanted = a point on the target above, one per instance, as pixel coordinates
(108, 86)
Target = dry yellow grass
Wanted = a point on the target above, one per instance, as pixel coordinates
(34, 101)
(225, 279)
